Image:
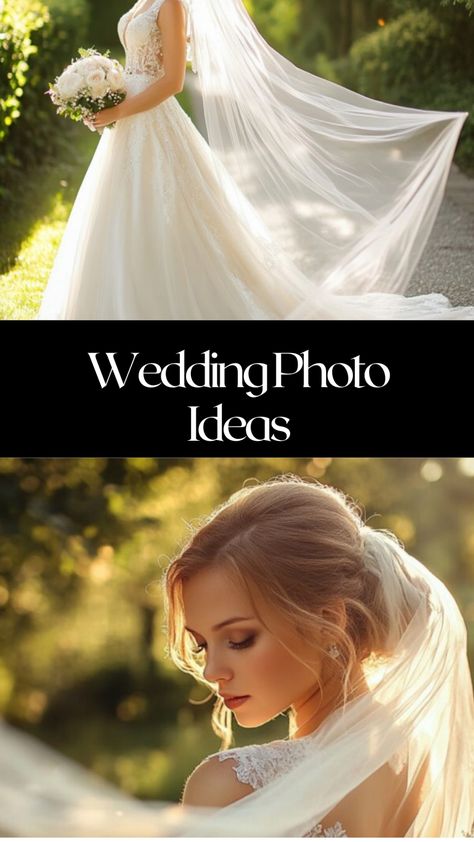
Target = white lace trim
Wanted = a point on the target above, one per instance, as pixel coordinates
(257, 765)
(335, 830)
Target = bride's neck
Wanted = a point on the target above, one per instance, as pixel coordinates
(311, 711)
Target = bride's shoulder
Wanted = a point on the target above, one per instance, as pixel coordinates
(170, 11)
(229, 775)
(214, 783)
(171, 5)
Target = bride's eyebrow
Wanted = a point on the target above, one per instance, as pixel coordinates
(224, 623)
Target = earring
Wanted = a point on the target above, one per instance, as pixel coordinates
(333, 651)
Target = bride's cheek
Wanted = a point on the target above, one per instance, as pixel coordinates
(266, 665)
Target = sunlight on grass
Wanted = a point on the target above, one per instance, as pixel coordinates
(21, 288)
(34, 225)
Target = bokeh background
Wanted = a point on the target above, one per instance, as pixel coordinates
(83, 544)
(413, 52)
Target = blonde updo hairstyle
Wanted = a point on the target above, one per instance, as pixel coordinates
(303, 547)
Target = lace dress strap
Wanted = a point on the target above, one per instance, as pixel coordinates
(257, 765)
(156, 5)
(154, 8)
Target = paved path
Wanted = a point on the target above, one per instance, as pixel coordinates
(447, 264)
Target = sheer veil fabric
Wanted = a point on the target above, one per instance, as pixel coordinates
(401, 755)
(310, 201)
(346, 189)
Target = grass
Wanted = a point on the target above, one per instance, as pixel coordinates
(34, 222)
(32, 229)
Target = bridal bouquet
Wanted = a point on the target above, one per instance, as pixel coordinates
(90, 83)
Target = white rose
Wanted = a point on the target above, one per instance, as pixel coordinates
(86, 65)
(70, 71)
(105, 63)
(115, 80)
(69, 84)
(97, 83)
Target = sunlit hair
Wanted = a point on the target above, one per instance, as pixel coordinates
(302, 547)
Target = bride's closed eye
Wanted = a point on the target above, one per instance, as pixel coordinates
(242, 644)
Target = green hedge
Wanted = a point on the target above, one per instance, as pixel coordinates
(38, 39)
(420, 59)
(396, 61)
(18, 23)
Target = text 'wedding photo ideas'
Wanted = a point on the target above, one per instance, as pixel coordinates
(239, 647)
(117, 388)
(236, 160)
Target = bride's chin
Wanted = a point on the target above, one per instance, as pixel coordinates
(248, 722)
(251, 720)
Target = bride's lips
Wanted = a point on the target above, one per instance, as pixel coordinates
(234, 701)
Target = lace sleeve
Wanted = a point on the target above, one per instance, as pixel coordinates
(248, 767)
(257, 765)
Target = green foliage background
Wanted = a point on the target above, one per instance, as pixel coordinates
(83, 545)
(38, 38)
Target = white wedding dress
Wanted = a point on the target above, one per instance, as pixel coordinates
(161, 230)
(152, 235)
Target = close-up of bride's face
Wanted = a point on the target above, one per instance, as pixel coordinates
(260, 666)
(288, 606)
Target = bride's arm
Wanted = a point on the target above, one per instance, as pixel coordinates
(172, 18)
(214, 784)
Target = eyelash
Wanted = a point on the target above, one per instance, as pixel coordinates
(242, 645)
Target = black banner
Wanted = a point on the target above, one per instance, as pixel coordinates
(237, 388)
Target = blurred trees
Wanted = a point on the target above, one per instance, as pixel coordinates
(84, 543)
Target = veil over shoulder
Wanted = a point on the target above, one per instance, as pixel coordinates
(414, 728)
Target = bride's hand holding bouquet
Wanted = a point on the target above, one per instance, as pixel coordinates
(91, 84)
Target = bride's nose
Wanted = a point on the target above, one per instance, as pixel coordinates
(216, 669)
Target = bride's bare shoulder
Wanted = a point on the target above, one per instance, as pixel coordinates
(172, 6)
(214, 784)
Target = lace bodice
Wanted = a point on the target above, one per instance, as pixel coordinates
(140, 36)
(257, 765)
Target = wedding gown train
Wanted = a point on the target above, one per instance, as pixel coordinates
(167, 226)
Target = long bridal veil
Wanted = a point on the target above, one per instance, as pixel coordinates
(403, 753)
(343, 187)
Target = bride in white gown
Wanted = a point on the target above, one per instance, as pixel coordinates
(309, 202)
